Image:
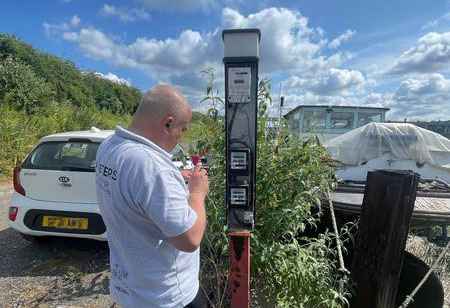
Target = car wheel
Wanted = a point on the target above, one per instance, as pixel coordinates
(33, 239)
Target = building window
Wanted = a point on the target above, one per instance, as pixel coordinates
(313, 120)
(365, 118)
(341, 120)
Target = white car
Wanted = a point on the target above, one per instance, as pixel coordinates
(55, 187)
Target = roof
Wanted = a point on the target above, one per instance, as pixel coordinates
(94, 134)
(238, 31)
(332, 106)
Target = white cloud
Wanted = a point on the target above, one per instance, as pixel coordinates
(341, 38)
(289, 46)
(54, 29)
(287, 43)
(62, 28)
(424, 97)
(93, 43)
(125, 13)
(190, 52)
(75, 21)
(114, 78)
(431, 55)
(176, 5)
(334, 81)
(417, 88)
(430, 25)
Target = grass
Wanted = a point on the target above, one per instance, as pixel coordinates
(73, 273)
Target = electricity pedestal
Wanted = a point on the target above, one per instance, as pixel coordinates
(241, 86)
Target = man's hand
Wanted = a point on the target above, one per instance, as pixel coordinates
(198, 181)
(198, 188)
(186, 173)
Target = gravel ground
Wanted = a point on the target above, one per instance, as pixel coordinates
(61, 272)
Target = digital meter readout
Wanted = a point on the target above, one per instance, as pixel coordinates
(238, 196)
(238, 160)
(239, 84)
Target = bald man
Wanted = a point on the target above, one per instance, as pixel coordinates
(155, 222)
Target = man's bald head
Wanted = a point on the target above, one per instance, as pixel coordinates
(162, 116)
(163, 101)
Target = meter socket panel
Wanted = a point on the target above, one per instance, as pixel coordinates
(241, 85)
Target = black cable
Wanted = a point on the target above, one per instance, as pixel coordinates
(230, 127)
(236, 216)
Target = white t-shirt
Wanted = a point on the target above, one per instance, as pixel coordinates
(143, 201)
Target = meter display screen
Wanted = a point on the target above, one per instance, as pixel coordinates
(238, 160)
(239, 84)
(238, 196)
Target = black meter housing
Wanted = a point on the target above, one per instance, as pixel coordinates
(241, 86)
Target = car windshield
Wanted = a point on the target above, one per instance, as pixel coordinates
(63, 155)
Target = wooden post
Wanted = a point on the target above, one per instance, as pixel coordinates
(383, 229)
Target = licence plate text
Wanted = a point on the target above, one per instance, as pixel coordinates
(65, 222)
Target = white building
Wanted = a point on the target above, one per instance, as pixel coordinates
(327, 122)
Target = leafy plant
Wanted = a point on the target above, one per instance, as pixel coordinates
(216, 103)
(73, 274)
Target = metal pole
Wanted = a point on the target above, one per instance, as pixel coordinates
(240, 269)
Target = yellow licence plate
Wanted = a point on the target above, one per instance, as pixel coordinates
(65, 222)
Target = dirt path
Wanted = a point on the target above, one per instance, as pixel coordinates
(60, 272)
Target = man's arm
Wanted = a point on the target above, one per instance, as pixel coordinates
(198, 188)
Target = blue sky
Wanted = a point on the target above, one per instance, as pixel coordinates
(392, 54)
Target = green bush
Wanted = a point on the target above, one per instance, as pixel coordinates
(21, 88)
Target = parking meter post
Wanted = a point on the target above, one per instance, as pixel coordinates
(241, 58)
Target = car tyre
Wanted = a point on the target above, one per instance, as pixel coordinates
(33, 239)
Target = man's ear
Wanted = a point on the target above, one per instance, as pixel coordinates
(167, 123)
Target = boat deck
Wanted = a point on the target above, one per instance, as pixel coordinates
(428, 211)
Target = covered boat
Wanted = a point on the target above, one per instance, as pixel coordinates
(391, 146)
(403, 146)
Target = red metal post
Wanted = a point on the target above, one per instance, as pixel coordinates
(240, 269)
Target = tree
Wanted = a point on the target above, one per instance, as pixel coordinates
(21, 88)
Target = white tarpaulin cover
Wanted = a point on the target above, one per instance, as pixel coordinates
(400, 140)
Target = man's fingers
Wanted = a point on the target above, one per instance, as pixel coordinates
(198, 166)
